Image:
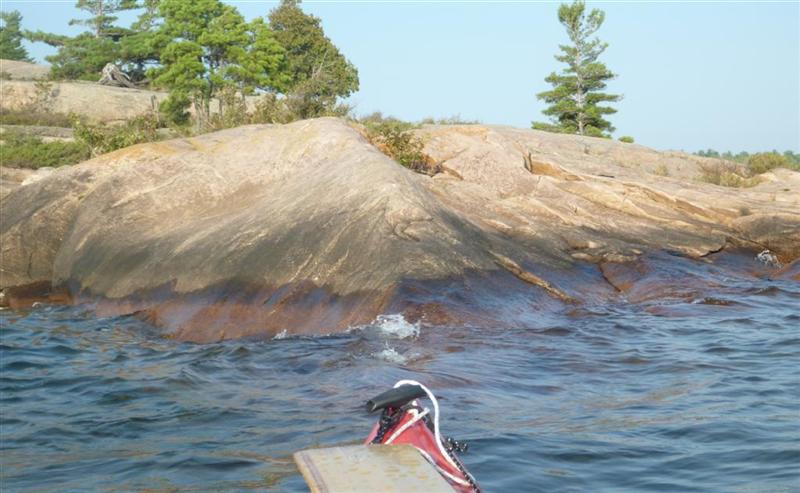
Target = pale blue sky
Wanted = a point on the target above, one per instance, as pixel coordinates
(695, 75)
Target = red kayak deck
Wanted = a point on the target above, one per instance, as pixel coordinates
(369, 468)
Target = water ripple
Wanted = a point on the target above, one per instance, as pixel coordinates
(694, 394)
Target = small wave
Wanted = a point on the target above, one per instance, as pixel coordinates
(719, 350)
(709, 300)
(396, 326)
(391, 355)
(556, 331)
(764, 291)
(769, 259)
(281, 335)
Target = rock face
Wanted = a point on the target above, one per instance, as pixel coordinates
(29, 89)
(597, 198)
(11, 178)
(307, 228)
(17, 70)
(94, 101)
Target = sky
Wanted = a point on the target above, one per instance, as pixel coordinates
(694, 74)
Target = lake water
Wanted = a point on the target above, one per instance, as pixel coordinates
(676, 394)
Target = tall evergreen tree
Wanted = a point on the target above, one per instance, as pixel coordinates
(11, 37)
(102, 15)
(208, 49)
(317, 71)
(262, 64)
(577, 94)
(139, 48)
(85, 55)
(81, 57)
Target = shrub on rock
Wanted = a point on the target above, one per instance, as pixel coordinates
(766, 161)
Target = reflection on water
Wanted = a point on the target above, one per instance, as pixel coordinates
(667, 395)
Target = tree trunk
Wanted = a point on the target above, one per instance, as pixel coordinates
(98, 27)
(580, 95)
(113, 76)
(580, 102)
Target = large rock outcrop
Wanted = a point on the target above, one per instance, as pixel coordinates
(307, 228)
(602, 197)
(94, 101)
(15, 69)
(29, 90)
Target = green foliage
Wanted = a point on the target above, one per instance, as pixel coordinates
(726, 174)
(102, 138)
(55, 40)
(101, 15)
(261, 64)
(210, 60)
(31, 116)
(549, 127)
(11, 37)
(189, 68)
(788, 159)
(272, 108)
(451, 120)
(316, 73)
(626, 139)
(148, 20)
(83, 57)
(174, 107)
(235, 113)
(43, 96)
(740, 157)
(139, 48)
(209, 50)
(395, 138)
(743, 169)
(575, 102)
(766, 161)
(20, 151)
(38, 110)
(136, 52)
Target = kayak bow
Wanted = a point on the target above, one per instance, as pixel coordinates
(404, 421)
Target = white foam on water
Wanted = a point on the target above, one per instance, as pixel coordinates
(281, 335)
(769, 259)
(396, 326)
(391, 355)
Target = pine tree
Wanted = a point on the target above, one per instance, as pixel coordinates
(576, 97)
(261, 65)
(82, 57)
(139, 49)
(210, 51)
(85, 55)
(149, 18)
(317, 71)
(11, 37)
(102, 15)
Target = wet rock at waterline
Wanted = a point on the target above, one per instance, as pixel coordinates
(307, 228)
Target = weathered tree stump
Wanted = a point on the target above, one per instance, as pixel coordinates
(114, 76)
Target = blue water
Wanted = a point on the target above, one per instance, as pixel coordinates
(678, 395)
